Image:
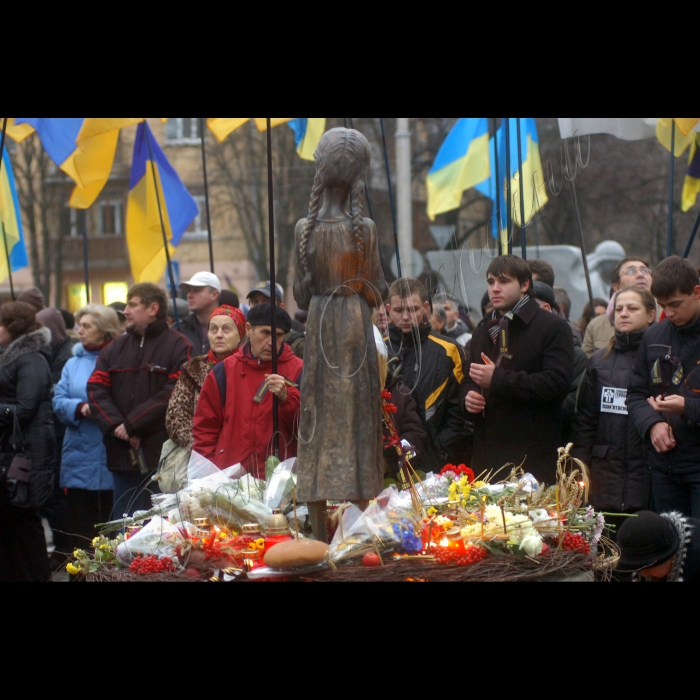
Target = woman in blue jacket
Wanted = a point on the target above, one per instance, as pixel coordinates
(84, 473)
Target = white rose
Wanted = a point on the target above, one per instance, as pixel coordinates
(532, 546)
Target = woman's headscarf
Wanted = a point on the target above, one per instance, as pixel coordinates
(238, 319)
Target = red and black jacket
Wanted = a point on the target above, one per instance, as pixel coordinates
(131, 385)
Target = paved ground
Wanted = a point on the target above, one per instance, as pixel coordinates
(56, 576)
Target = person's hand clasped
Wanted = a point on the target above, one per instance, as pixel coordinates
(475, 402)
(278, 386)
(121, 433)
(85, 411)
(671, 404)
(135, 443)
(482, 374)
(662, 438)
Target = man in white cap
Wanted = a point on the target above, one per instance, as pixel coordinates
(203, 292)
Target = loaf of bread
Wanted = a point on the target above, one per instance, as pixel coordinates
(296, 554)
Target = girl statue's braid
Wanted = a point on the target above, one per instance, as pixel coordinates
(314, 206)
(357, 203)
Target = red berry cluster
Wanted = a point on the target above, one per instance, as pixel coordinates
(453, 557)
(576, 543)
(145, 566)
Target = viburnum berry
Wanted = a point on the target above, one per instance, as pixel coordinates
(576, 543)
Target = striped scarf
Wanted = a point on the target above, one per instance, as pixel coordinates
(498, 326)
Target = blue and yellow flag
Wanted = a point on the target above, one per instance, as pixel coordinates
(534, 191)
(144, 233)
(691, 186)
(683, 136)
(10, 221)
(223, 127)
(83, 147)
(308, 132)
(461, 163)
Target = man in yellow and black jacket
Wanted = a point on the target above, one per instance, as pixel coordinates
(432, 368)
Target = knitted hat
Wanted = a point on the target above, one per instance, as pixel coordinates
(33, 297)
(261, 315)
(646, 541)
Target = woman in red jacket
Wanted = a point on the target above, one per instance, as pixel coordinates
(233, 420)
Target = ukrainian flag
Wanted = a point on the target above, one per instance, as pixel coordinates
(683, 136)
(691, 187)
(84, 148)
(308, 133)
(461, 163)
(10, 222)
(534, 191)
(222, 128)
(144, 233)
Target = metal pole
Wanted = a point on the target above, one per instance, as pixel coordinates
(7, 257)
(391, 198)
(523, 233)
(499, 185)
(404, 194)
(162, 225)
(85, 255)
(273, 281)
(2, 141)
(509, 207)
(583, 248)
(206, 196)
(692, 237)
(669, 240)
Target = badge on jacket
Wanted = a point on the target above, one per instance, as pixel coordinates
(614, 401)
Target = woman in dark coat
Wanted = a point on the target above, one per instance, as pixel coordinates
(339, 281)
(25, 394)
(604, 436)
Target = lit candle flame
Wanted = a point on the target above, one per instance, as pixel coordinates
(445, 543)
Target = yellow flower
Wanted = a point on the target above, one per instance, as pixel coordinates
(432, 511)
(260, 544)
(79, 554)
(479, 484)
(96, 542)
(72, 570)
(104, 547)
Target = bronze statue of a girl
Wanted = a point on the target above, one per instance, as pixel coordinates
(339, 280)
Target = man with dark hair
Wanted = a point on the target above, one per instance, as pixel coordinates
(522, 364)
(627, 273)
(455, 328)
(664, 394)
(542, 272)
(233, 420)
(262, 294)
(432, 368)
(130, 389)
(203, 292)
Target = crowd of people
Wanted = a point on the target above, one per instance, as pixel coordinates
(91, 400)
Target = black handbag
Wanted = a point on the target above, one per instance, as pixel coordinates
(16, 473)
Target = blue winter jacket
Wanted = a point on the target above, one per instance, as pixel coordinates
(84, 458)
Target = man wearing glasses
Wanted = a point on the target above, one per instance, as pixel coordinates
(627, 273)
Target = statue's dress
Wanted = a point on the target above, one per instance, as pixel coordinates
(340, 429)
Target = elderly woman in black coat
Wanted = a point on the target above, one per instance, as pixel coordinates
(26, 422)
(604, 436)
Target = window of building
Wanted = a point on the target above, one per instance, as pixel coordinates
(111, 218)
(114, 291)
(182, 131)
(76, 297)
(199, 228)
(70, 222)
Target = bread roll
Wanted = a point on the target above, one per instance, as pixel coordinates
(296, 554)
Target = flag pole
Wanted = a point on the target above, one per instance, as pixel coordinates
(7, 257)
(85, 255)
(498, 185)
(509, 210)
(669, 239)
(273, 282)
(391, 198)
(523, 233)
(583, 247)
(4, 235)
(206, 196)
(692, 237)
(162, 225)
